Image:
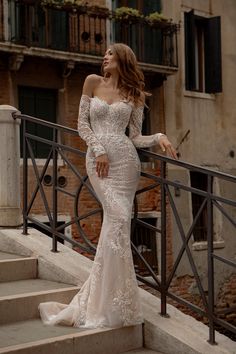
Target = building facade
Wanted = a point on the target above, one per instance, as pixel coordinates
(200, 115)
(47, 50)
(45, 54)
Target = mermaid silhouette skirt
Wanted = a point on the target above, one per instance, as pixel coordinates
(109, 297)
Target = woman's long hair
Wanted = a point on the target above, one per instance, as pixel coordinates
(131, 78)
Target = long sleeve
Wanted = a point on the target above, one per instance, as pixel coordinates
(135, 128)
(84, 127)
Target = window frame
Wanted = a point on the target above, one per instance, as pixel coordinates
(202, 53)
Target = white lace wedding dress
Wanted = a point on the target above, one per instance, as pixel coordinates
(109, 297)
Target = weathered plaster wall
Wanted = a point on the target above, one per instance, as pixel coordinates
(211, 121)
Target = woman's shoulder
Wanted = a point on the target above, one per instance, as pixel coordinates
(93, 79)
(91, 82)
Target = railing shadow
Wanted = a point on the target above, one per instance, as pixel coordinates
(64, 148)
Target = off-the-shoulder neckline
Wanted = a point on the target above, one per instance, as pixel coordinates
(111, 104)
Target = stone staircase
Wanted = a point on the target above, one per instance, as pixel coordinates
(22, 332)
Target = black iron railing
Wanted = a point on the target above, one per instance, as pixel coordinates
(73, 159)
(88, 30)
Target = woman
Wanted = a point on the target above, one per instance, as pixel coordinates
(109, 104)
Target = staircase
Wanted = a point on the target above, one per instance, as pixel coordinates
(22, 332)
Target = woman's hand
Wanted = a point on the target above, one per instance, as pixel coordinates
(166, 145)
(102, 165)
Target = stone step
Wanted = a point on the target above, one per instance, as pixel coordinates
(142, 351)
(6, 255)
(12, 269)
(24, 305)
(29, 286)
(32, 337)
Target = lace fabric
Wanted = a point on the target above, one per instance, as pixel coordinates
(109, 297)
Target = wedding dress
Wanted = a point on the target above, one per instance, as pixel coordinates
(109, 297)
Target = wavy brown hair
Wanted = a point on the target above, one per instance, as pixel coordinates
(131, 79)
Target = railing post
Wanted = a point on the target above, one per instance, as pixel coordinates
(54, 193)
(10, 214)
(210, 240)
(25, 180)
(163, 240)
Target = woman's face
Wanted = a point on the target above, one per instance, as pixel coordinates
(110, 62)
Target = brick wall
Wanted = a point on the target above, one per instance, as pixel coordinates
(185, 287)
(227, 299)
(35, 72)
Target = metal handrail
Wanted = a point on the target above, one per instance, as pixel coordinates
(162, 284)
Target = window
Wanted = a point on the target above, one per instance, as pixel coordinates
(202, 53)
(39, 103)
(199, 181)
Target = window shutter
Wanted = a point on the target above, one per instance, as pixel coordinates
(45, 108)
(27, 106)
(131, 3)
(213, 71)
(40, 103)
(41, 27)
(151, 6)
(59, 29)
(146, 6)
(190, 65)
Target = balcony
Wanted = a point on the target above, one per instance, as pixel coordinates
(83, 34)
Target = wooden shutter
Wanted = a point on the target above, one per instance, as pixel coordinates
(199, 181)
(27, 106)
(213, 71)
(145, 6)
(190, 65)
(59, 29)
(150, 6)
(41, 27)
(40, 103)
(45, 108)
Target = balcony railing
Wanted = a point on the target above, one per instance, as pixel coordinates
(89, 30)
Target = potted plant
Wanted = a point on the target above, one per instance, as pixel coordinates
(127, 14)
(63, 4)
(77, 6)
(157, 19)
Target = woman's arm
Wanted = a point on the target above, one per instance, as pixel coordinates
(84, 127)
(142, 141)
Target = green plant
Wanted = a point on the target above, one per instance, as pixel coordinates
(127, 13)
(61, 3)
(156, 17)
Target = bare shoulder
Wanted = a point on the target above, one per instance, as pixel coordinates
(90, 84)
(93, 79)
